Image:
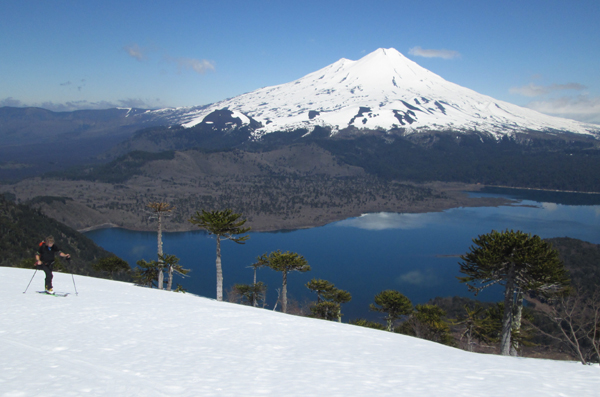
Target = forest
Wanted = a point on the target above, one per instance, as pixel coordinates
(471, 159)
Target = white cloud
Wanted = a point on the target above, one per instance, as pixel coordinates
(533, 90)
(582, 107)
(445, 54)
(135, 51)
(199, 66)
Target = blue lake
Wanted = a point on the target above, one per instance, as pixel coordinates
(416, 254)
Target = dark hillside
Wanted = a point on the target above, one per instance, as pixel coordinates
(534, 160)
(549, 164)
(23, 228)
(582, 260)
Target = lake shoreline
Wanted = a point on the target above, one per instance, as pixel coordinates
(455, 196)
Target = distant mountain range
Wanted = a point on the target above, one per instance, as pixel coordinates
(383, 113)
(383, 91)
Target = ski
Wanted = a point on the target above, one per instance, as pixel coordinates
(60, 294)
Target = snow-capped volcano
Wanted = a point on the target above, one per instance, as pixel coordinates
(383, 90)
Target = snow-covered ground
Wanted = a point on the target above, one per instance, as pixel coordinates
(117, 339)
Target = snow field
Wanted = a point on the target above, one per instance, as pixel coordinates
(118, 339)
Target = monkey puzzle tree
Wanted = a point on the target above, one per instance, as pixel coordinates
(223, 224)
(320, 287)
(173, 266)
(428, 323)
(252, 293)
(285, 262)
(520, 262)
(257, 265)
(158, 210)
(477, 325)
(146, 272)
(394, 304)
(329, 299)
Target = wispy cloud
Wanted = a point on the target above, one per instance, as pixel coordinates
(80, 84)
(135, 51)
(199, 66)
(534, 90)
(445, 54)
(582, 107)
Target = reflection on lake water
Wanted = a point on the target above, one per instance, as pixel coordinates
(416, 254)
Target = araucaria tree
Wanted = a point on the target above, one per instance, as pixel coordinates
(329, 299)
(223, 224)
(251, 293)
(285, 262)
(146, 273)
(476, 325)
(173, 266)
(520, 262)
(394, 304)
(159, 209)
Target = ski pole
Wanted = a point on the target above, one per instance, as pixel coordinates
(73, 277)
(30, 280)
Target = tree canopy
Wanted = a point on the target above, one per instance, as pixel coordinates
(223, 224)
(520, 262)
(394, 304)
(285, 262)
(329, 299)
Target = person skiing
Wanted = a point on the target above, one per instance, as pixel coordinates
(45, 259)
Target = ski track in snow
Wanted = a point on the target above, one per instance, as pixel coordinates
(117, 339)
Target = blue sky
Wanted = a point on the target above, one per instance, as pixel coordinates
(67, 55)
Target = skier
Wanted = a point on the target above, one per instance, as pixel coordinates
(45, 259)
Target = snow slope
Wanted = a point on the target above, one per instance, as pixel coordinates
(116, 339)
(383, 90)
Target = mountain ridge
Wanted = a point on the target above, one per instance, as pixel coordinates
(382, 91)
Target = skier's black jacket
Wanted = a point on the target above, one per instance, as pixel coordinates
(47, 253)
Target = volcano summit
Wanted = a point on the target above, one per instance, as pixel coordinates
(382, 91)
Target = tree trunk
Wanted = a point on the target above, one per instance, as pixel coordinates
(469, 339)
(161, 279)
(170, 282)
(219, 271)
(517, 320)
(284, 293)
(390, 323)
(509, 292)
(255, 303)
